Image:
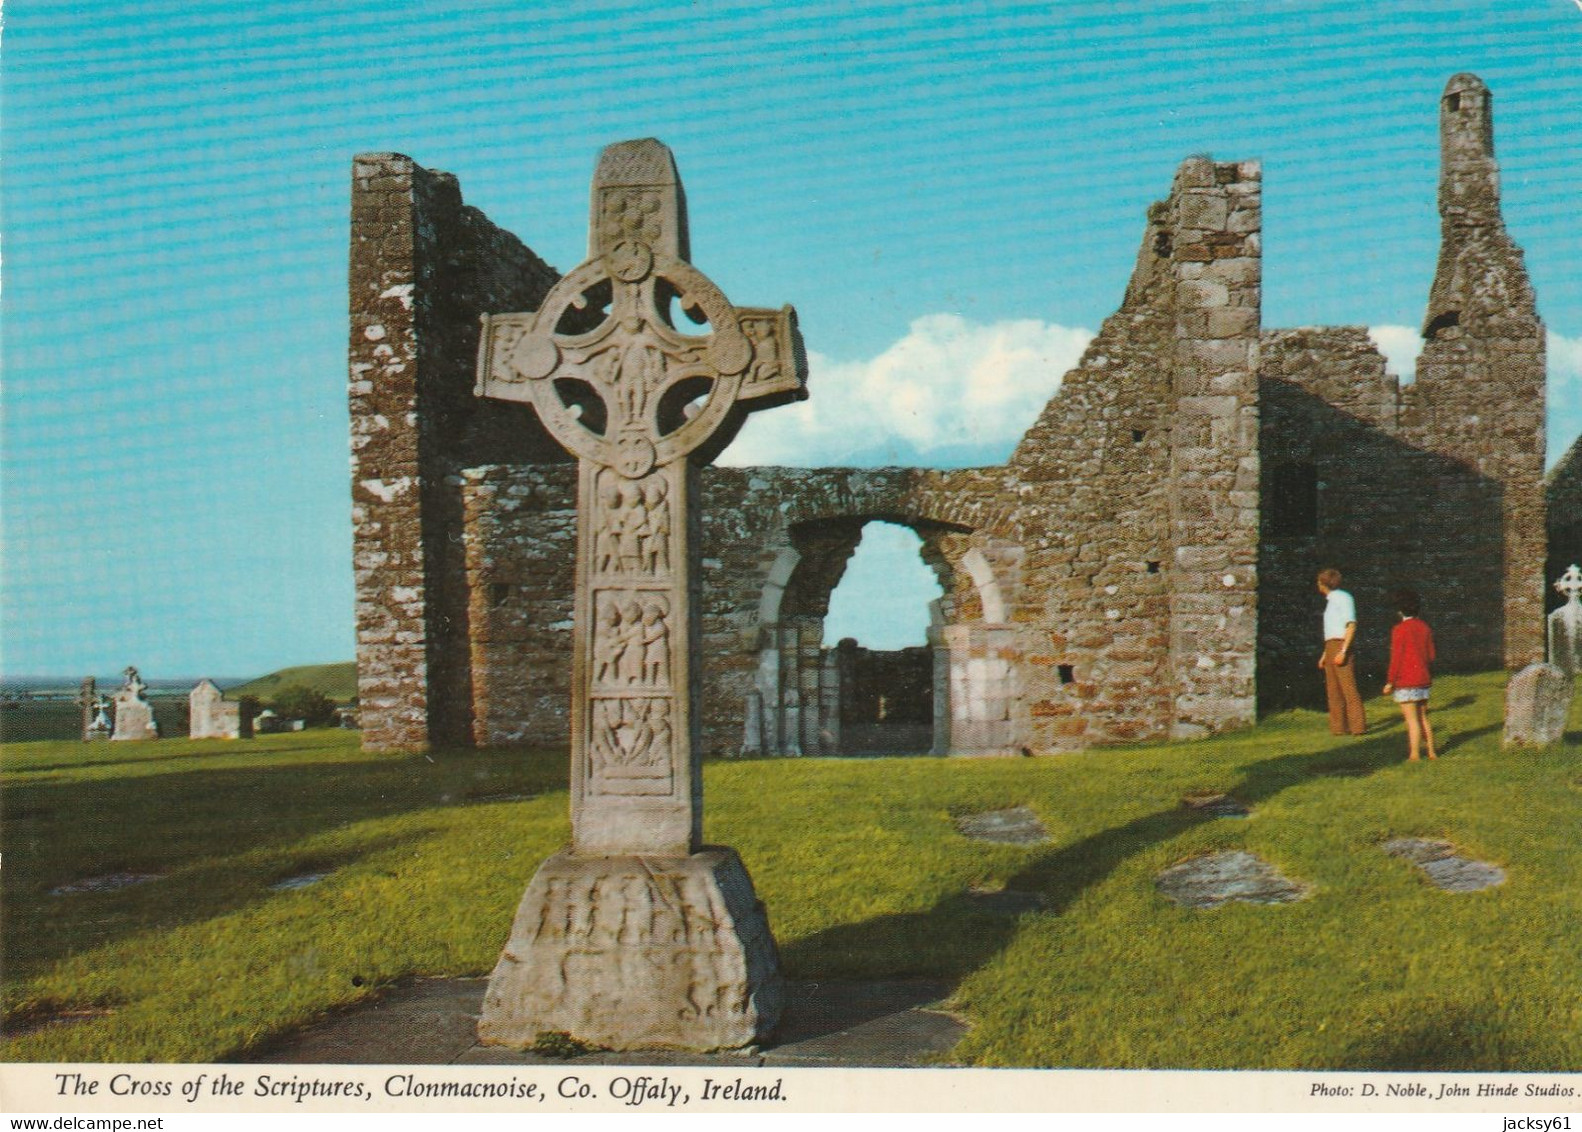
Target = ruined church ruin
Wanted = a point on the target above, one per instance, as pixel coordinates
(1140, 567)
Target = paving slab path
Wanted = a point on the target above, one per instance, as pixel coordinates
(830, 1024)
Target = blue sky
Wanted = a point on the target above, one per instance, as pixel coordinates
(951, 195)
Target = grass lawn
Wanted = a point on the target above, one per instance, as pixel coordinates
(864, 876)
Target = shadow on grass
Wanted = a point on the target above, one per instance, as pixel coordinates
(956, 937)
(1462, 737)
(1454, 1038)
(190, 826)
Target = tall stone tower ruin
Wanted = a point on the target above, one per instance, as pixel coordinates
(1479, 393)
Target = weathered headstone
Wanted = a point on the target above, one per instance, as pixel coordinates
(1537, 701)
(87, 699)
(210, 715)
(134, 715)
(1565, 625)
(101, 727)
(637, 935)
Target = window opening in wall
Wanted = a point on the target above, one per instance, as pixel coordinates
(1153, 567)
(1442, 323)
(499, 592)
(1068, 673)
(1138, 434)
(1453, 101)
(1293, 499)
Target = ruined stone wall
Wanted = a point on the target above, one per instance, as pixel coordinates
(520, 545)
(423, 267)
(1099, 588)
(1342, 488)
(1563, 493)
(1148, 547)
(1436, 485)
(1218, 277)
(1480, 388)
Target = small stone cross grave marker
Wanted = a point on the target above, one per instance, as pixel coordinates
(1565, 625)
(134, 716)
(638, 935)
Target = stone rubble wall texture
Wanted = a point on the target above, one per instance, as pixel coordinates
(1436, 485)
(423, 267)
(1563, 496)
(1121, 577)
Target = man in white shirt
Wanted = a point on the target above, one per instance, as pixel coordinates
(1339, 660)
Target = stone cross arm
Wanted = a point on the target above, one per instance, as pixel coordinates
(636, 358)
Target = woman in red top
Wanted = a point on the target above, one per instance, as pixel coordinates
(1411, 652)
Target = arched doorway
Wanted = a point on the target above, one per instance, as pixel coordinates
(883, 628)
(816, 694)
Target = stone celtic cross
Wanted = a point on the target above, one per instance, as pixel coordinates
(640, 367)
(1570, 584)
(619, 380)
(1565, 625)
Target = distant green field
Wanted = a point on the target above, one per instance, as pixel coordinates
(32, 720)
(337, 681)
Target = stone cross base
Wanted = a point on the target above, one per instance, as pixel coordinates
(637, 952)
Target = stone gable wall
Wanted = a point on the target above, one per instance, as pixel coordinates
(1386, 513)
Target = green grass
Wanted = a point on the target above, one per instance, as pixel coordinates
(337, 681)
(864, 877)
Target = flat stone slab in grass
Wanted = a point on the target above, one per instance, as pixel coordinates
(302, 880)
(1015, 826)
(1207, 882)
(57, 1015)
(1444, 868)
(1215, 805)
(109, 882)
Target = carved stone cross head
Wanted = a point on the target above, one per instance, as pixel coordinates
(610, 361)
(1570, 584)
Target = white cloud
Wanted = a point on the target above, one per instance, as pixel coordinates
(948, 384)
(1400, 346)
(1565, 394)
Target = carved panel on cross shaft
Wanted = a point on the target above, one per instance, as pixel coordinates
(632, 525)
(631, 639)
(629, 746)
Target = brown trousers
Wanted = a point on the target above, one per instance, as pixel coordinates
(1340, 684)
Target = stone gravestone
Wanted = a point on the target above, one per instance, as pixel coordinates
(1537, 701)
(637, 934)
(210, 716)
(87, 700)
(1565, 625)
(134, 716)
(101, 727)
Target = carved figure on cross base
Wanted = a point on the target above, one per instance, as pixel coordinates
(670, 401)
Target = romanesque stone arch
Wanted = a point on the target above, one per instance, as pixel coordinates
(807, 699)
